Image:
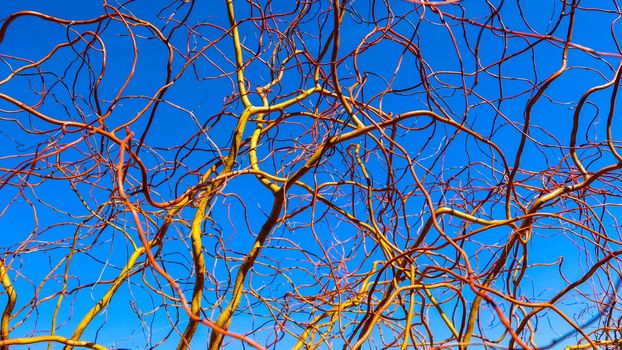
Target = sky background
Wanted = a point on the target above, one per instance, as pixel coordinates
(192, 127)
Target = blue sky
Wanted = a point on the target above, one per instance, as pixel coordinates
(488, 90)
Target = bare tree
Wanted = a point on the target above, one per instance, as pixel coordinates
(310, 174)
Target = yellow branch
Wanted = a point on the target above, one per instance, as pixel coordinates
(10, 304)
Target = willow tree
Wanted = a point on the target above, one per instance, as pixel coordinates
(310, 174)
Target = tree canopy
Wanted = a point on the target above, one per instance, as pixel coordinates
(310, 174)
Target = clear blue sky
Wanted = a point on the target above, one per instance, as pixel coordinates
(192, 127)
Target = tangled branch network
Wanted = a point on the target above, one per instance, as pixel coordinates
(313, 174)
